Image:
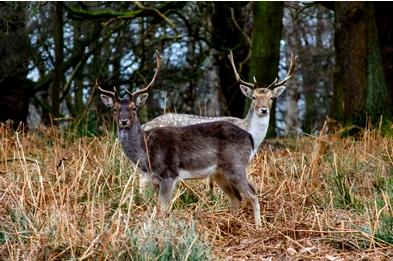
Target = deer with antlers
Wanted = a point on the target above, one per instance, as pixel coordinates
(257, 120)
(219, 150)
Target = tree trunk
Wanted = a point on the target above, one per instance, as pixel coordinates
(265, 54)
(384, 22)
(361, 92)
(378, 99)
(15, 91)
(78, 80)
(58, 75)
(226, 36)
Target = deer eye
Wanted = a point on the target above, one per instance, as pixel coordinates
(114, 110)
(253, 97)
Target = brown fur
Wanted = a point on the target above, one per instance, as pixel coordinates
(198, 146)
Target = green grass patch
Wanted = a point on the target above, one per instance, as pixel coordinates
(342, 182)
(385, 229)
(2, 238)
(167, 239)
(345, 197)
(186, 198)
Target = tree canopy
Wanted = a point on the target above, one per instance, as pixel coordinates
(52, 53)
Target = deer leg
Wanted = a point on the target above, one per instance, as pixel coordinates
(245, 187)
(143, 181)
(164, 194)
(230, 191)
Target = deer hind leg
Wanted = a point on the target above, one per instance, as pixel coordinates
(231, 191)
(245, 187)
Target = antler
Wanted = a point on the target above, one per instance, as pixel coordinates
(289, 75)
(237, 75)
(113, 94)
(158, 58)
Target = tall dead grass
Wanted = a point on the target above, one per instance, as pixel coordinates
(322, 198)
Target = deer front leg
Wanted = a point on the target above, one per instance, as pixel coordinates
(164, 195)
(143, 181)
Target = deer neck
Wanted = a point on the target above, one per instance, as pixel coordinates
(257, 126)
(133, 144)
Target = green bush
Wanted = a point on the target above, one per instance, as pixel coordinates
(167, 239)
(385, 229)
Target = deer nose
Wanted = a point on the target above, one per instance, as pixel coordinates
(123, 122)
(264, 110)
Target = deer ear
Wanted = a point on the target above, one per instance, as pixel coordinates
(107, 100)
(246, 91)
(141, 99)
(278, 91)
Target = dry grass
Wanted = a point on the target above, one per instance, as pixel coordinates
(322, 198)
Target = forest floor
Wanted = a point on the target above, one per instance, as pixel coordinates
(322, 198)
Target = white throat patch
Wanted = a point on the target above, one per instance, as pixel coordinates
(257, 127)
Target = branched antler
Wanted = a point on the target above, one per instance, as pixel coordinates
(113, 94)
(237, 75)
(158, 59)
(275, 83)
(289, 75)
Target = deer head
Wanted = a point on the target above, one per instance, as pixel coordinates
(262, 97)
(124, 110)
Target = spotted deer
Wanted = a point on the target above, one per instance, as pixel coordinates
(219, 150)
(257, 120)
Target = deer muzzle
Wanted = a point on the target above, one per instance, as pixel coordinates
(263, 111)
(124, 123)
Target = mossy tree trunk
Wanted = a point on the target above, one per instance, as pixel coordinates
(265, 52)
(361, 92)
(58, 76)
(78, 80)
(384, 23)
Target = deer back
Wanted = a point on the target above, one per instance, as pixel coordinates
(182, 119)
(198, 146)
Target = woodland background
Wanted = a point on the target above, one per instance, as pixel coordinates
(51, 54)
(68, 192)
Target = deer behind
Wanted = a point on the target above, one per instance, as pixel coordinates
(257, 120)
(219, 150)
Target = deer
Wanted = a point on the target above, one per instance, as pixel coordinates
(166, 155)
(257, 119)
